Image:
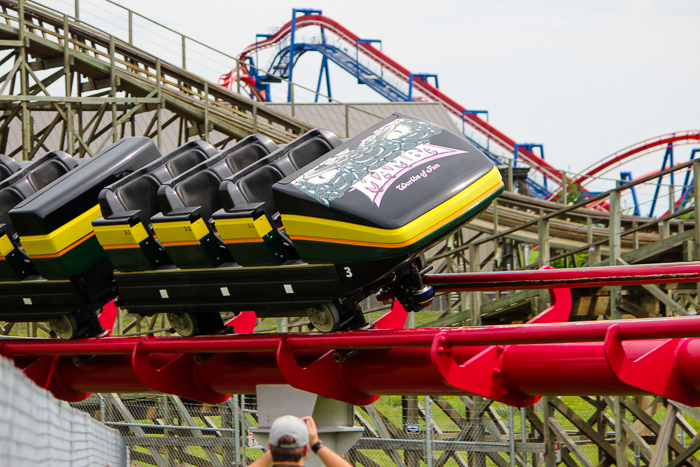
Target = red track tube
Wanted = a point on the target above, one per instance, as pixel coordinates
(532, 360)
(583, 331)
(569, 278)
(538, 370)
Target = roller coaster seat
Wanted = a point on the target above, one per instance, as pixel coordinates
(125, 230)
(239, 157)
(14, 262)
(249, 224)
(8, 166)
(55, 224)
(188, 202)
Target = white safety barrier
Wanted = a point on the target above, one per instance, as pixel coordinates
(38, 430)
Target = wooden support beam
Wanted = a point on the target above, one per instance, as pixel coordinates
(696, 210)
(655, 248)
(138, 431)
(8, 328)
(45, 132)
(547, 413)
(68, 129)
(206, 112)
(544, 259)
(570, 443)
(644, 449)
(159, 95)
(165, 125)
(9, 77)
(583, 426)
(355, 456)
(660, 295)
(693, 412)
(95, 84)
(632, 309)
(450, 411)
(692, 448)
(153, 121)
(655, 427)
(13, 44)
(46, 82)
(474, 297)
(187, 418)
(664, 436)
(49, 63)
(385, 430)
(22, 59)
(222, 144)
(621, 440)
(685, 426)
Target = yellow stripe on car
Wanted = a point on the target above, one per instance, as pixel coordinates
(325, 230)
(242, 229)
(109, 235)
(180, 231)
(62, 237)
(65, 250)
(6, 245)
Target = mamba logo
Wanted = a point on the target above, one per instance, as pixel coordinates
(375, 184)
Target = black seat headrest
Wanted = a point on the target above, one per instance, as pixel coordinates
(140, 193)
(8, 166)
(185, 161)
(309, 152)
(245, 156)
(46, 174)
(256, 187)
(201, 189)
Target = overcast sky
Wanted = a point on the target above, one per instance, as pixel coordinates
(584, 78)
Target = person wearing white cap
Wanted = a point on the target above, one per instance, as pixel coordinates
(290, 440)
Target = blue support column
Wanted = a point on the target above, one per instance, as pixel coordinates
(324, 70)
(422, 77)
(625, 178)
(357, 54)
(529, 147)
(476, 112)
(668, 155)
(291, 56)
(304, 11)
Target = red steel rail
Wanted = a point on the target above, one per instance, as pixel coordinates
(637, 150)
(574, 278)
(596, 358)
(514, 364)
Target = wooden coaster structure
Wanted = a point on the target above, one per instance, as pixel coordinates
(170, 95)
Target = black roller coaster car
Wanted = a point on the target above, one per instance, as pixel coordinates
(307, 229)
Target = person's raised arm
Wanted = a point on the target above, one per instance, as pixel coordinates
(328, 456)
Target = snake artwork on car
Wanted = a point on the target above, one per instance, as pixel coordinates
(335, 176)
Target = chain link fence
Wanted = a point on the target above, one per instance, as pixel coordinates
(398, 431)
(461, 431)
